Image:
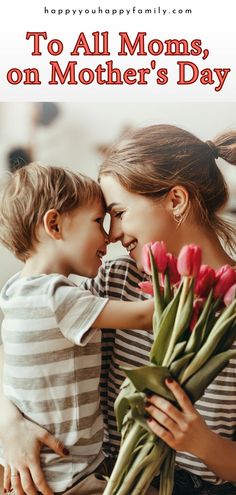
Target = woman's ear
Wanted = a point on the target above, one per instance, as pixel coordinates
(52, 223)
(179, 203)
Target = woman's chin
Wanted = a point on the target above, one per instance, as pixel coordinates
(134, 254)
(138, 262)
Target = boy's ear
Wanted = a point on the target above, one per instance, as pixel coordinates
(52, 224)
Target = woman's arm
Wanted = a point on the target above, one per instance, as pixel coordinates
(186, 431)
(22, 441)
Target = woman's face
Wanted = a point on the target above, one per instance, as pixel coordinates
(136, 219)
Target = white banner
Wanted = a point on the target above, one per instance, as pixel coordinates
(106, 50)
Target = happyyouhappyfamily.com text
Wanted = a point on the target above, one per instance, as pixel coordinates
(134, 10)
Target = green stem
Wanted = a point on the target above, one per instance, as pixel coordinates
(145, 480)
(159, 453)
(138, 465)
(167, 290)
(158, 299)
(167, 474)
(183, 297)
(124, 458)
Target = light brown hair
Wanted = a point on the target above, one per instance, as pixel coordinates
(152, 160)
(30, 192)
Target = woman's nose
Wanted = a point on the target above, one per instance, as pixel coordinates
(106, 236)
(115, 231)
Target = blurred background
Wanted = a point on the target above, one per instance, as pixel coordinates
(77, 135)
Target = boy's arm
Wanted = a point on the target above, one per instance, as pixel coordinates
(122, 314)
(22, 441)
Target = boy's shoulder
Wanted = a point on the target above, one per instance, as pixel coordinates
(33, 285)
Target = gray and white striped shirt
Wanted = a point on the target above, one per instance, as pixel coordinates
(52, 368)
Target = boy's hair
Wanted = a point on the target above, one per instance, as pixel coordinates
(30, 192)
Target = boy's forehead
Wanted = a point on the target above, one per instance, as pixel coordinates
(98, 206)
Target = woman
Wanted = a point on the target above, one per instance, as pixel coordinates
(161, 183)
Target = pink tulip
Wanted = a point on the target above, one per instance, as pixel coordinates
(174, 276)
(230, 295)
(189, 260)
(225, 278)
(204, 281)
(146, 287)
(160, 256)
(146, 262)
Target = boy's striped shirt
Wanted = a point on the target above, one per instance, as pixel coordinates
(52, 368)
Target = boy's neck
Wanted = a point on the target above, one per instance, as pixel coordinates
(42, 265)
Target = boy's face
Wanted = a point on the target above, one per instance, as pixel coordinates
(84, 240)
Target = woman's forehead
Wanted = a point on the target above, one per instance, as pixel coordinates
(113, 191)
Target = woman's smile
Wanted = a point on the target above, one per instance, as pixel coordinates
(136, 219)
(131, 246)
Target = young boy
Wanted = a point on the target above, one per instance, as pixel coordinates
(52, 219)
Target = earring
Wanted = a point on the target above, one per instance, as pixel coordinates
(178, 217)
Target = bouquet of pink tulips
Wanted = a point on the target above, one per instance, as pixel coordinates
(194, 327)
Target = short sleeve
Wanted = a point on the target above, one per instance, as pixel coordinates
(96, 285)
(75, 310)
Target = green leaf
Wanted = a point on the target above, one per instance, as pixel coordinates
(152, 378)
(183, 316)
(208, 349)
(178, 350)
(121, 405)
(136, 402)
(196, 385)
(186, 314)
(225, 315)
(227, 340)
(177, 366)
(194, 342)
(164, 330)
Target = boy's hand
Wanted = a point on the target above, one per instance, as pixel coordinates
(22, 444)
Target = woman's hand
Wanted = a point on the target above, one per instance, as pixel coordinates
(22, 444)
(183, 430)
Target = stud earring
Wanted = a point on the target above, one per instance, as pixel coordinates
(178, 217)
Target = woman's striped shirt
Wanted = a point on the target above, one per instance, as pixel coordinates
(119, 280)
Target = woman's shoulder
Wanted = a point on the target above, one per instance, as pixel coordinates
(123, 266)
(122, 261)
